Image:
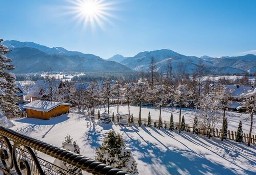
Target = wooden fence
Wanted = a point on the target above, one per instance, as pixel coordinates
(231, 135)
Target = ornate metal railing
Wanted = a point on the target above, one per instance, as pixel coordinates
(19, 155)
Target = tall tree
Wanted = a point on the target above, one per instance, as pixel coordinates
(195, 125)
(171, 123)
(128, 95)
(149, 119)
(106, 93)
(152, 68)
(139, 94)
(183, 124)
(239, 133)
(224, 129)
(250, 104)
(182, 96)
(8, 99)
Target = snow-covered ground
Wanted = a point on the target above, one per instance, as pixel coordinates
(157, 152)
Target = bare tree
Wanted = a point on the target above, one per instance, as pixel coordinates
(250, 104)
(106, 93)
(153, 69)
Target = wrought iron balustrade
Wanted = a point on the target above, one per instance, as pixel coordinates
(19, 155)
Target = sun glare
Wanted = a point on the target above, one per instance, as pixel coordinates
(91, 12)
(90, 8)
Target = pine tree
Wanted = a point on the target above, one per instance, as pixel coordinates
(113, 117)
(239, 134)
(165, 125)
(132, 118)
(171, 123)
(8, 99)
(98, 114)
(113, 152)
(195, 125)
(183, 125)
(224, 129)
(160, 122)
(149, 119)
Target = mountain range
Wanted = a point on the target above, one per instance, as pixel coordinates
(188, 64)
(29, 57)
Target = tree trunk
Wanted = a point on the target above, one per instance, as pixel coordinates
(117, 106)
(140, 115)
(129, 112)
(224, 115)
(180, 119)
(108, 105)
(250, 133)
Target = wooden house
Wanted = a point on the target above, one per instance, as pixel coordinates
(46, 109)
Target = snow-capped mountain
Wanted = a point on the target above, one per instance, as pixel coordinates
(189, 64)
(30, 57)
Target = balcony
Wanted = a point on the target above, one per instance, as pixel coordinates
(22, 155)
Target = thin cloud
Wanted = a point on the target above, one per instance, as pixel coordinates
(249, 52)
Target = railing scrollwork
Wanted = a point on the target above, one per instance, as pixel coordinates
(18, 155)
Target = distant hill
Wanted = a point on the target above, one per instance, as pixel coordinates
(117, 58)
(30, 57)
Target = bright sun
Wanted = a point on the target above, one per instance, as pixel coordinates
(90, 8)
(92, 12)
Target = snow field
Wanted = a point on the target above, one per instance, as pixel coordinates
(157, 152)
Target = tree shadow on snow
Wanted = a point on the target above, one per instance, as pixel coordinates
(217, 147)
(52, 121)
(175, 161)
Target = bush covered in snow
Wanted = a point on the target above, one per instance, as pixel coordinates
(113, 152)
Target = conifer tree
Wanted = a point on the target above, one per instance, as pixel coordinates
(183, 125)
(113, 117)
(160, 122)
(239, 134)
(8, 99)
(165, 125)
(98, 114)
(195, 125)
(171, 123)
(132, 118)
(225, 129)
(149, 119)
(113, 152)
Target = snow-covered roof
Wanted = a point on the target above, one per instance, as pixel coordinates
(237, 91)
(44, 106)
(44, 86)
(21, 90)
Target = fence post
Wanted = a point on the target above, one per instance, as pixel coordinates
(244, 138)
(228, 134)
(232, 135)
(217, 131)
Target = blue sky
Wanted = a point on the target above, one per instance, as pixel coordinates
(190, 27)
